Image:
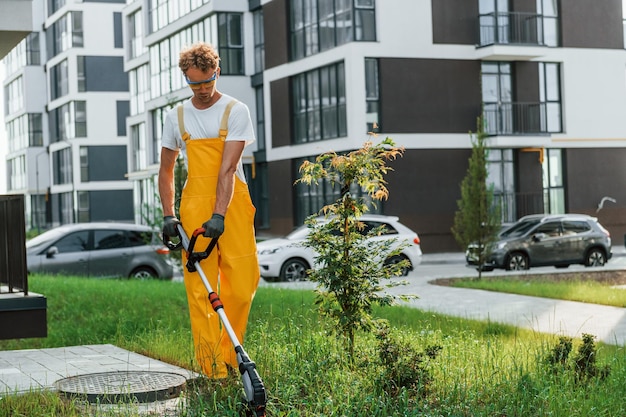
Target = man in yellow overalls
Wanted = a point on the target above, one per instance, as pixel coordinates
(211, 130)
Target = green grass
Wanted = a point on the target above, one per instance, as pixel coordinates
(483, 369)
(572, 287)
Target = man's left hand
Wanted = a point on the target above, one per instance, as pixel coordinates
(214, 227)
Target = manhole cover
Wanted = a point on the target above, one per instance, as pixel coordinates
(122, 387)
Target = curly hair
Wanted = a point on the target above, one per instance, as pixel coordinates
(199, 55)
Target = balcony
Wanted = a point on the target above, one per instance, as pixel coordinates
(516, 118)
(500, 35)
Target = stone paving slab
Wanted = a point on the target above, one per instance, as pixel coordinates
(38, 369)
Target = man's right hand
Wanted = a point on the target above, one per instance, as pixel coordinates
(170, 224)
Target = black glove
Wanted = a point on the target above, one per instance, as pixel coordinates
(170, 224)
(214, 227)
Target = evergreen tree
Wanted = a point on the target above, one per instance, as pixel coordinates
(477, 220)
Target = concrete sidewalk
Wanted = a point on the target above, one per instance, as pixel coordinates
(38, 369)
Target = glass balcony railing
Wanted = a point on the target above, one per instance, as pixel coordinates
(516, 28)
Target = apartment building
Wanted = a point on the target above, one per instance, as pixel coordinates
(548, 77)
(66, 103)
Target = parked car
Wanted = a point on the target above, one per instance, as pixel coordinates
(547, 240)
(289, 260)
(100, 250)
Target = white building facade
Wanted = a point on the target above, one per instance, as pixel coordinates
(67, 100)
(548, 76)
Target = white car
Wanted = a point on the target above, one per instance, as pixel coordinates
(287, 259)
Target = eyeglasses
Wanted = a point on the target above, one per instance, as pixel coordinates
(197, 85)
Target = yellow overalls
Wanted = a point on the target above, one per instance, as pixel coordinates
(234, 259)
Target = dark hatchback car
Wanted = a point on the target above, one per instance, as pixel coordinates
(100, 250)
(548, 240)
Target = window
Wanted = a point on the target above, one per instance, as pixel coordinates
(550, 229)
(54, 5)
(139, 149)
(25, 131)
(62, 166)
(27, 52)
(75, 242)
(84, 164)
(17, 134)
(319, 25)
(135, 35)
(66, 208)
(319, 104)
(80, 74)
(260, 119)
(83, 206)
(14, 96)
(109, 239)
(501, 176)
(59, 84)
(163, 12)
(230, 43)
(69, 121)
(259, 41)
(16, 168)
(139, 90)
(158, 118)
(574, 227)
(35, 129)
(553, 187)
(65, 33)
(372, 97)
(550, 94)
(549, 30)
(497, 96)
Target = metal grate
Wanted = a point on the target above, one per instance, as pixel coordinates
(122, 387)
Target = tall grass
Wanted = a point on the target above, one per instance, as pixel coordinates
(483, 369)
(575, 287)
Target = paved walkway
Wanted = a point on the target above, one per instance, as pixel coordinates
(25, 370)
(35, 369)
(568, 318)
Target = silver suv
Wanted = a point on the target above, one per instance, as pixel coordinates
(543, 240)
(100, 250)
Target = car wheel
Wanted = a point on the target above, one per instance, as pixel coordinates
(595, 257)
(294, 269)
(517, 261)
(143, 272)
(397, 259)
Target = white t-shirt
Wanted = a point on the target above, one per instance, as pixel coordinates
(202, 124)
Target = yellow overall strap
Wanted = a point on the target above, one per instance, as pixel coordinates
(181, 124)
(224, 124)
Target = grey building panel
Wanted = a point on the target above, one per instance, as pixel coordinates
(529, 185)
(118, 39)
(281, 190)
(592, 24)
(424, 187)
(429, 95)
(105, 73)
(107, 163)
(105, 1)
(455, 21)
(123, 111)
(281, 126)
(276, 32)
(526, 81)
(114, 205)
